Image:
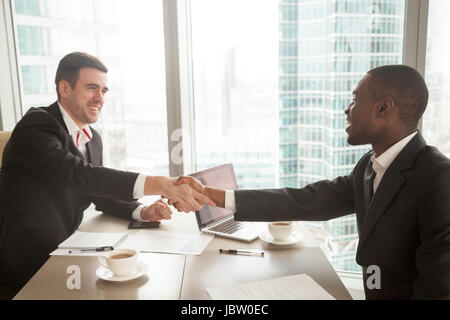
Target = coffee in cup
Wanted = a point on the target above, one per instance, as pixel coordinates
(121, 256)
(121, 262)
(281, 230)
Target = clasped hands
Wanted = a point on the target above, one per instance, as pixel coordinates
(185, 193)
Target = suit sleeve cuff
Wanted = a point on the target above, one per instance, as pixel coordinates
(137, 213)
(230, 203)
(138, 190)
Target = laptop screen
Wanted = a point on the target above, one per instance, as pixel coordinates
(221, 177)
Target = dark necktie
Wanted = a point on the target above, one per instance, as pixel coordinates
(369, 176)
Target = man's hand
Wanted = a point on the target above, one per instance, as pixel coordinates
(194, 183)
(157, 211)
(189, 195)
(216, 195)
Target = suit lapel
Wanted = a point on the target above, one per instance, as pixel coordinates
(93, 147)
(389, 186)
(54, 110)
(94, 150)
(387, 189)
(89, 152)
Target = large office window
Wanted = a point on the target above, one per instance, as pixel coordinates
(436, 120)
(235, 82)
(271, 81)
(128, 37)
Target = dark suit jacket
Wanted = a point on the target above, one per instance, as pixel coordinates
(45, 186)
(404, 229)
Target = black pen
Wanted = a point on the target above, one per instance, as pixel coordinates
(98, 249)
(242, 252)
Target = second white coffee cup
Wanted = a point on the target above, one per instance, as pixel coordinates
(281, 230)
(121, 262)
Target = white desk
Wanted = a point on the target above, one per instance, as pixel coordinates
(178, 276)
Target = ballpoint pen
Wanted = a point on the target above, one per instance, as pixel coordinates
(242, 252)
(107, 248)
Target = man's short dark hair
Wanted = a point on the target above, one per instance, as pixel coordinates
(69, 68)
(405, 86)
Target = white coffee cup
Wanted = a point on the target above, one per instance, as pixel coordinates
(281, 230)
(121, 262)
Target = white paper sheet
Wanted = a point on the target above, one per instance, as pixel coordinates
(83, 240)
(167, 242)
(296, 287)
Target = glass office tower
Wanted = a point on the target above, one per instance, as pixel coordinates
(325, 47)
(224, 132)
(235, 88)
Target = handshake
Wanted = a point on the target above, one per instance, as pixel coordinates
(185, 193)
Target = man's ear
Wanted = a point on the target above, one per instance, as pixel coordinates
(384, 107)
(64, 88)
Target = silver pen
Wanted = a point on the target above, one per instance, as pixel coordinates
(107, 248)
(242, 252)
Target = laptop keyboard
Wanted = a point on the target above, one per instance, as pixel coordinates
(229, 226)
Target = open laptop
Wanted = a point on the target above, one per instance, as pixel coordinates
(220, 221)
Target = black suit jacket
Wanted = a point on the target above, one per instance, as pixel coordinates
(45, 186)
(404, 229)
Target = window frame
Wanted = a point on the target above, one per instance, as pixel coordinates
(415, 36)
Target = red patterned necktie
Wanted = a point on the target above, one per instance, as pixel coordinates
(85, 132)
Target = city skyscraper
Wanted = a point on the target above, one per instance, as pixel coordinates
(235, 85)
(325, 47)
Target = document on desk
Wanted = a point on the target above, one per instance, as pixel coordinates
(296, 287)
(168, 242)
(83, 240)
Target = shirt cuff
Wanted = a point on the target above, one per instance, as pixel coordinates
(137, 213)
(138, 190)
(230, 203)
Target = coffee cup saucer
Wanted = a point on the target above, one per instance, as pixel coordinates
(293, 238)
(105, 274)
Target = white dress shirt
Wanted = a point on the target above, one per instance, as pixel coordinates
(384, 160)
(379, 165)
(81, 137)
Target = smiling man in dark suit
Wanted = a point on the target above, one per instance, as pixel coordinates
(400, 191)
(52, 171)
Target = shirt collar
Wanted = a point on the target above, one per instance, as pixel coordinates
(73, 128)
(384, 160)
